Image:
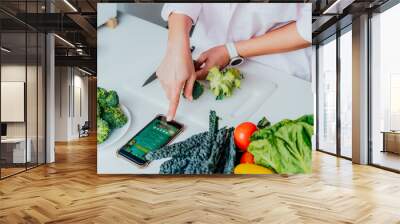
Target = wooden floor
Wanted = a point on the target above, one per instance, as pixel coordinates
(5, 172)
(70, 191)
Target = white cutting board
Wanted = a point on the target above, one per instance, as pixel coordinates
(130, 53)
(256, 87)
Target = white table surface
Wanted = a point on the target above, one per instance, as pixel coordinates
(131, 52)
(12, 140)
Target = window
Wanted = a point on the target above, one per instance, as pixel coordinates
(346, 93)
(394, 101)
(385, 89)
(327, 96)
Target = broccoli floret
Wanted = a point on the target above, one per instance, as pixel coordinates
(112, 99)
(101, 97)
(103, 130)
(222, 83)
(115, 117)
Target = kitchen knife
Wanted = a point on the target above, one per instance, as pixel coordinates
(154, 75)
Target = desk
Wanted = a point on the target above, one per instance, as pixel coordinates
(128, 54)
(18, 151)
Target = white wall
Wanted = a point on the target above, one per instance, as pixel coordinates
(69, 82)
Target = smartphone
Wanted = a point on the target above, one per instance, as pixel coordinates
(156, 134)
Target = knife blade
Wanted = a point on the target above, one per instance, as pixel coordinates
(153, 76)
(150, 79)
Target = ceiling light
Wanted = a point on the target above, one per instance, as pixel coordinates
(64, 40)
(84, 71)
(70, 5)
(5, 50)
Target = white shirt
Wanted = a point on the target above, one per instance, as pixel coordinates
(220, 23)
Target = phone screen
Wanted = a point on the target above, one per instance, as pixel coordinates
(153, 136)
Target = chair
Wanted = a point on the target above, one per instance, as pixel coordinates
(84, 130)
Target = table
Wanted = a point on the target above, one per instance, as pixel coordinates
(128, 54)
(18, 152)
(391, 141)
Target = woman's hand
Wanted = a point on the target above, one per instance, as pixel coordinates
(216, 56)
(176, 71)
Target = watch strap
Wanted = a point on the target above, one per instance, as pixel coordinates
(231, 50)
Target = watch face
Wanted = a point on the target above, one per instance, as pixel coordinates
(236, 61)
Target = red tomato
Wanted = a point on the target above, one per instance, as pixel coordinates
(247, 158)
(242, 134)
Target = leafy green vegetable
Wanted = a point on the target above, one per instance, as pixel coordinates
(263, 123)
(103, 130)
(204, 153)
(223, 83)
(284, 147)
(114, 117)
(198, 90)
(112, 99)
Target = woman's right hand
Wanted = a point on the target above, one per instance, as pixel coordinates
(176, 71)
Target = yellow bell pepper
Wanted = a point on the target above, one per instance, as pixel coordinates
(247, 168)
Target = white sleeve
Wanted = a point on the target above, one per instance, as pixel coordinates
(190, 9)
(304, 21)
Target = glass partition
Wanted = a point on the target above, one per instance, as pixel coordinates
(31, 99)
(13, 94)
(23, 90)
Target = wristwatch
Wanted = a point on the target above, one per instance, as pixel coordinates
(235, 58)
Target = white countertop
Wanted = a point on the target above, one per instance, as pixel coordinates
(130, 53)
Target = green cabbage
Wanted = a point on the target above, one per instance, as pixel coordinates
(284, 147)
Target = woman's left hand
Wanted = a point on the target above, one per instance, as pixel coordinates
(216, 56)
